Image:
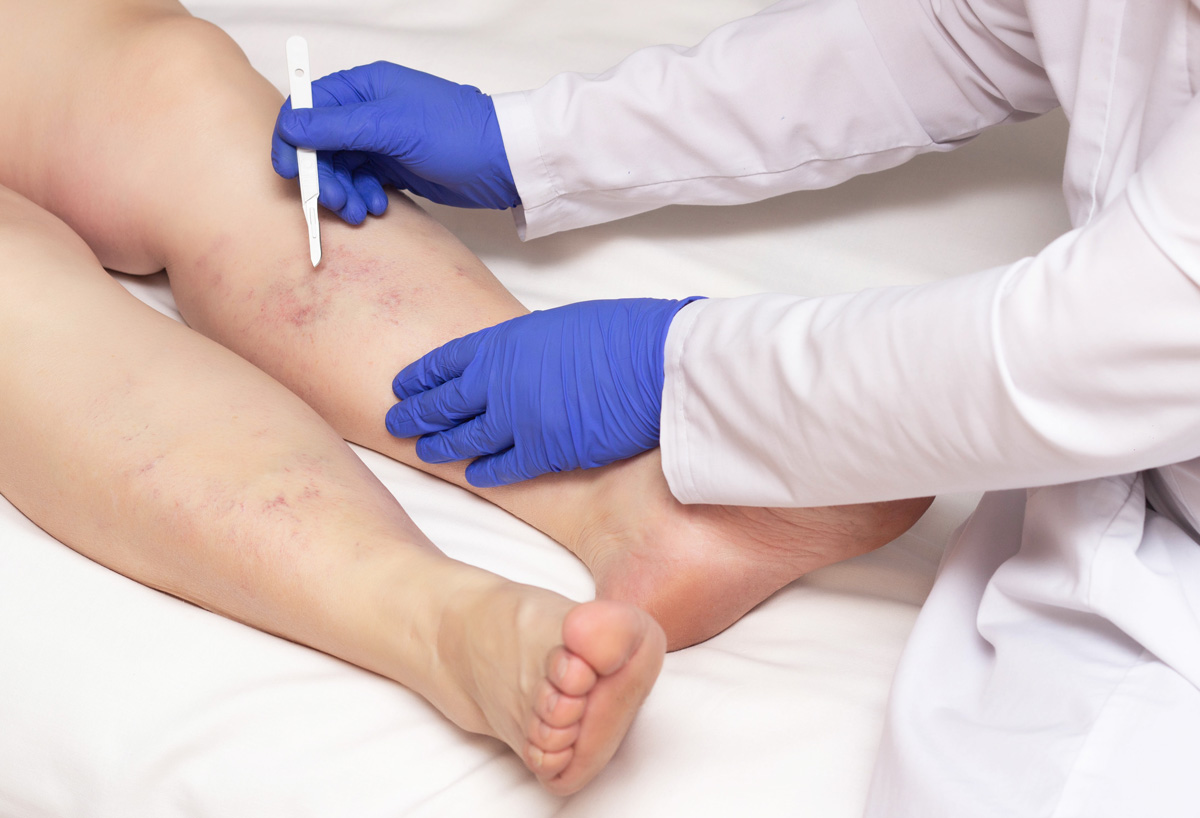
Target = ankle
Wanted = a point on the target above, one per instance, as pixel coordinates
(628, 503)
(387, 610)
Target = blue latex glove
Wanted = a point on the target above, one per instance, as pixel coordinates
(385, 125)
(570, 388)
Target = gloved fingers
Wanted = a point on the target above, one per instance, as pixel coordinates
(343, 87)
(333, 194)
(371, 190)
(360, 126)
(378, 80)
(500, 469)
(475, 438)
(435, 368)
(339, 193)
(354, 211)
(283, 155)
(364, 190)
(435, 410)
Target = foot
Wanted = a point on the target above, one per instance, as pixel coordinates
(559, 683)
(698, 569)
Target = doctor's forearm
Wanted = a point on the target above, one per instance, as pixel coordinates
(805, 94)
(794, 97)
(1076, 364)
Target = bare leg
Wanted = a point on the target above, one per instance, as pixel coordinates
(170, 459)
(187, 185)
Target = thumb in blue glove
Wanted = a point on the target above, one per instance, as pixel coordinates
(383, 125)
(574, 387)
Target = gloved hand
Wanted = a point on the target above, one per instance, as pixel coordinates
(383, 124)
(574, 387)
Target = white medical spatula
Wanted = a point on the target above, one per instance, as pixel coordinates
(310, 186)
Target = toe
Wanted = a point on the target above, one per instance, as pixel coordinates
(547, 765)
(604, 634)
(569, 673)
(551, 739)
(556, 708)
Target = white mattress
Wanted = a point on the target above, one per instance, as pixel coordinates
(116, 700)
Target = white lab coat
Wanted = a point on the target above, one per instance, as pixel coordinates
(1055, 668)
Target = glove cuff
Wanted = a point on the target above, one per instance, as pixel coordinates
(503, 185)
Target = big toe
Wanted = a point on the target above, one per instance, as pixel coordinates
(607, 634)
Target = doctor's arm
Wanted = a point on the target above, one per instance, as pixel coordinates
(804, 94)
(1081, 362)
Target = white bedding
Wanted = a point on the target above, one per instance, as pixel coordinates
(116, 700)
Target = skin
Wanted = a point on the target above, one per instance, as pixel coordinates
(173, 460)
(209, 462)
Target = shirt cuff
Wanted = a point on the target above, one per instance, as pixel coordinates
(677, 455)
(534, 182)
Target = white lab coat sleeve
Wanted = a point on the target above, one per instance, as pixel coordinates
(1081, 362)
(797, 96)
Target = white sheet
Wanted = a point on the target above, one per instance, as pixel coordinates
(116, 700)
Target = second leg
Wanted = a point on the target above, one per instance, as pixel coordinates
(160, 454)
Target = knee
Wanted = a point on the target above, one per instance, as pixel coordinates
(39, 254)
(29, 230)
(188, 69)
(181, 47)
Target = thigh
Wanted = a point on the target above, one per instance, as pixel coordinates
(86, 86)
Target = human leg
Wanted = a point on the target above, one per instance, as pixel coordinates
(189, 188)
(164, 456)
